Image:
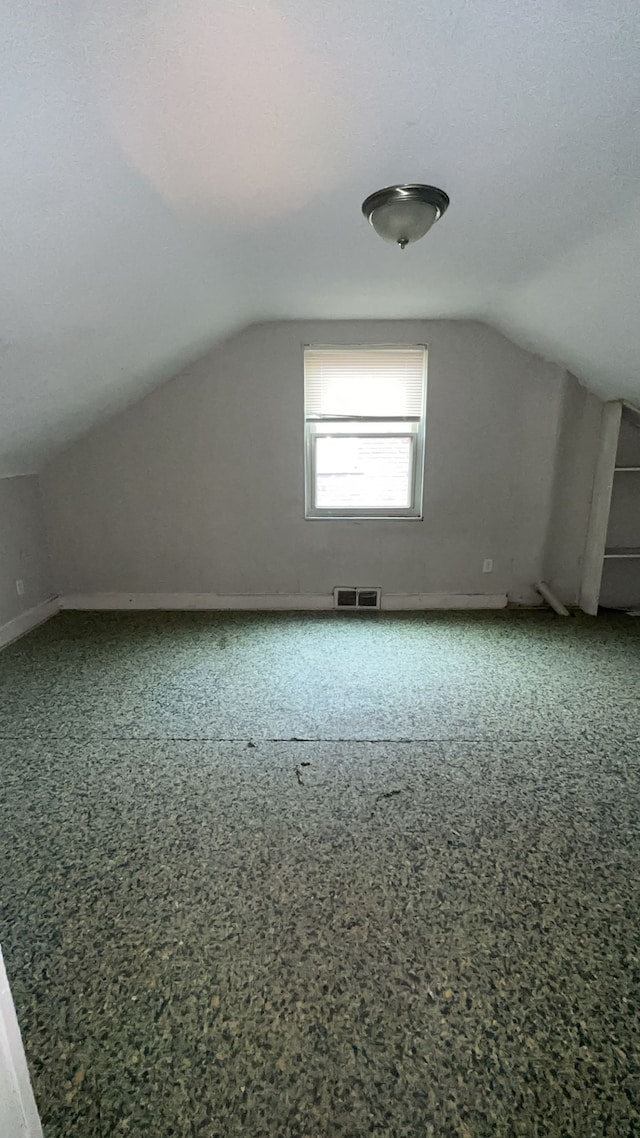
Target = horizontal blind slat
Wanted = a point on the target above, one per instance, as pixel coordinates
(364, 381)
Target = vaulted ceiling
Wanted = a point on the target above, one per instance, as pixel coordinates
(174, 169)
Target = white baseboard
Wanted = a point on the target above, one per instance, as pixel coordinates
(22, 624)
(418, 601)
(180, 602)
(18, 1108)
(306, 602)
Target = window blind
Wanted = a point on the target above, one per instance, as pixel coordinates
(364, 382)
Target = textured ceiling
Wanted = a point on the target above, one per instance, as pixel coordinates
(174, 169)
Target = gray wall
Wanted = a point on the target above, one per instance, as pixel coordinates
(23, 547)
(199, 487)
(578, 444)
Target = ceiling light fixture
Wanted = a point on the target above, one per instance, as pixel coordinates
(404, 214)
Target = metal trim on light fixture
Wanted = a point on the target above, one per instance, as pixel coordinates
(412, 192)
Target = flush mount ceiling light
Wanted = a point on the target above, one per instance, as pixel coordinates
(403, 214)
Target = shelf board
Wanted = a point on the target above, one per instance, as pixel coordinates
(626, 469)
(622, 551)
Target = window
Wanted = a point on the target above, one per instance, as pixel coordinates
(364, 431)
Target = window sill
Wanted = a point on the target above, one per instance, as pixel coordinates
(363, 518)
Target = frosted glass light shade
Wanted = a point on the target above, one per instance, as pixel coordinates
(403, 221)
(403, 214)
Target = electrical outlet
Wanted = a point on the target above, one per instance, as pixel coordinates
(487, 565)
(20, 587)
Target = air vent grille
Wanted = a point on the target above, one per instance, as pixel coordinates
(352, 597)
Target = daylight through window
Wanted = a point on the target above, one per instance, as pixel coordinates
(364, 428)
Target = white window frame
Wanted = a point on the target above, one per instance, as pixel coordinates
(413, 511)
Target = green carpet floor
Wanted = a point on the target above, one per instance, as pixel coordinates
(305, 876)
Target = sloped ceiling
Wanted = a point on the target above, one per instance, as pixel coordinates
(174, 169)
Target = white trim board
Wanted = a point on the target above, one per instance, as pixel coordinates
(305, 602)
(23, 623)
(18, 1111)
